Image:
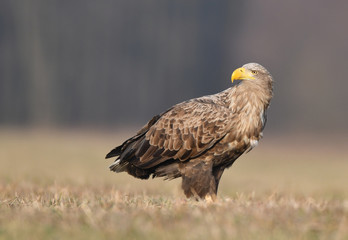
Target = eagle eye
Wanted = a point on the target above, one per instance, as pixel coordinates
(254, 72)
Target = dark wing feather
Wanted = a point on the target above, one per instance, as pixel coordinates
(185, 131)
(117, 151)
(114, 152)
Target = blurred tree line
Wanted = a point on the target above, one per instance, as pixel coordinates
(108, 63)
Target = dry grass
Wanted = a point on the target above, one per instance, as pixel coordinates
(55, 185)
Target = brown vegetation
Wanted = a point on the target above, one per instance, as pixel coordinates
(57, 185)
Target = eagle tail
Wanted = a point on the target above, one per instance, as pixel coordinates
(117, 166)
(168, 171)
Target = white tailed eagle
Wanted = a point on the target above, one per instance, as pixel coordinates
(199, 138)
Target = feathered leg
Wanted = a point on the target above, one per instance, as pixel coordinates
(217, 173)
(198, 180)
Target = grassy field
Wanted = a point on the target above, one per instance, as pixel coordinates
(56, 185)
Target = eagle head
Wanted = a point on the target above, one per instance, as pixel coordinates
(251, 71)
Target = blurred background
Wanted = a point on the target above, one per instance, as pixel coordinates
(79, 77)
(109, 64)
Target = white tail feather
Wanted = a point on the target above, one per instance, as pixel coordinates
(118, 167)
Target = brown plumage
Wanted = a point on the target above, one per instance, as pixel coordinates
(199, 138)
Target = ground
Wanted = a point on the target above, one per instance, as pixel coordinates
(56, 185)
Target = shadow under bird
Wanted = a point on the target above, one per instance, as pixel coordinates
(199, 138)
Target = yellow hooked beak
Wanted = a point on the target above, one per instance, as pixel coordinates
(241, 73)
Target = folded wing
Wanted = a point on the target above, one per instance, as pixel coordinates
(185, 131)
